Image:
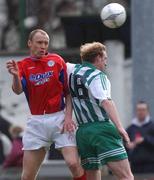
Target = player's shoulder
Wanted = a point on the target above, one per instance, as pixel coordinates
(70, 65)
(104, 78)
(55, 57)
(95, 73)
(24, 61)
(103, 74)
(97, 76)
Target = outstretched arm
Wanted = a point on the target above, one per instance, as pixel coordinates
(14, 71)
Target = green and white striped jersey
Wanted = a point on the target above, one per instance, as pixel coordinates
(89, 87)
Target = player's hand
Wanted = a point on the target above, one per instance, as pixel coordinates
(68, 126)
(12, 67)
(124, 134)
(131, 145)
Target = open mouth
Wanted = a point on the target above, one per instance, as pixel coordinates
(42, 52)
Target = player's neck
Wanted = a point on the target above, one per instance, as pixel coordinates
(35, 57)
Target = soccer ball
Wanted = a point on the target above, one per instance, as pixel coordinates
(113, 15)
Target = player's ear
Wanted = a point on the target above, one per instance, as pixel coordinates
(97, 58)
(29, 43)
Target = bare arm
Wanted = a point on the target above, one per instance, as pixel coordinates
(13, 70)
(69, 108)
(69, 124)
(111, 110)
(16, 85)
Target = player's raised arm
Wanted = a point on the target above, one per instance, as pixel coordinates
(14, 71)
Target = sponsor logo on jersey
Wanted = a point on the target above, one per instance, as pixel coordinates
(40, 78)
(51, 63)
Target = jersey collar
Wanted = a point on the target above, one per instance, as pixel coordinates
(33, 58)
(86, 63)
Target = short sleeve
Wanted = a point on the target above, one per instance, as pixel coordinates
(70, 68)
(100, 88)
(63, 78)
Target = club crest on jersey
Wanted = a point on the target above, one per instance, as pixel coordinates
(40, 78)
(51, 63)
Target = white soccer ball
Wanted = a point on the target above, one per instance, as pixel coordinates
(113, 15)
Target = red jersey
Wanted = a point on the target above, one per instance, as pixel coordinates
(44, 83)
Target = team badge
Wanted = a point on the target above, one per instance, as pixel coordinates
(51, 63)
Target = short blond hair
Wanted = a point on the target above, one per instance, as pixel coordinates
(89, 51)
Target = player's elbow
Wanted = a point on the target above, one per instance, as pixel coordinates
(17, 91)
(107, 104)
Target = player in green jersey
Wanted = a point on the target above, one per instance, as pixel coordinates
(100, 132)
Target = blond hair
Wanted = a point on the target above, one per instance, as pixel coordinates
(32, 33)
(89, 51)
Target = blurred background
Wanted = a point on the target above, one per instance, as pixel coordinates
(71, 23)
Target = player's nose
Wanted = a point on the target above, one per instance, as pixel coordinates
(43, 45)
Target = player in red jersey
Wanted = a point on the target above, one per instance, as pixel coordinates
(43, 78)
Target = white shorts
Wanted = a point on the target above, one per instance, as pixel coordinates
(43, 130)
